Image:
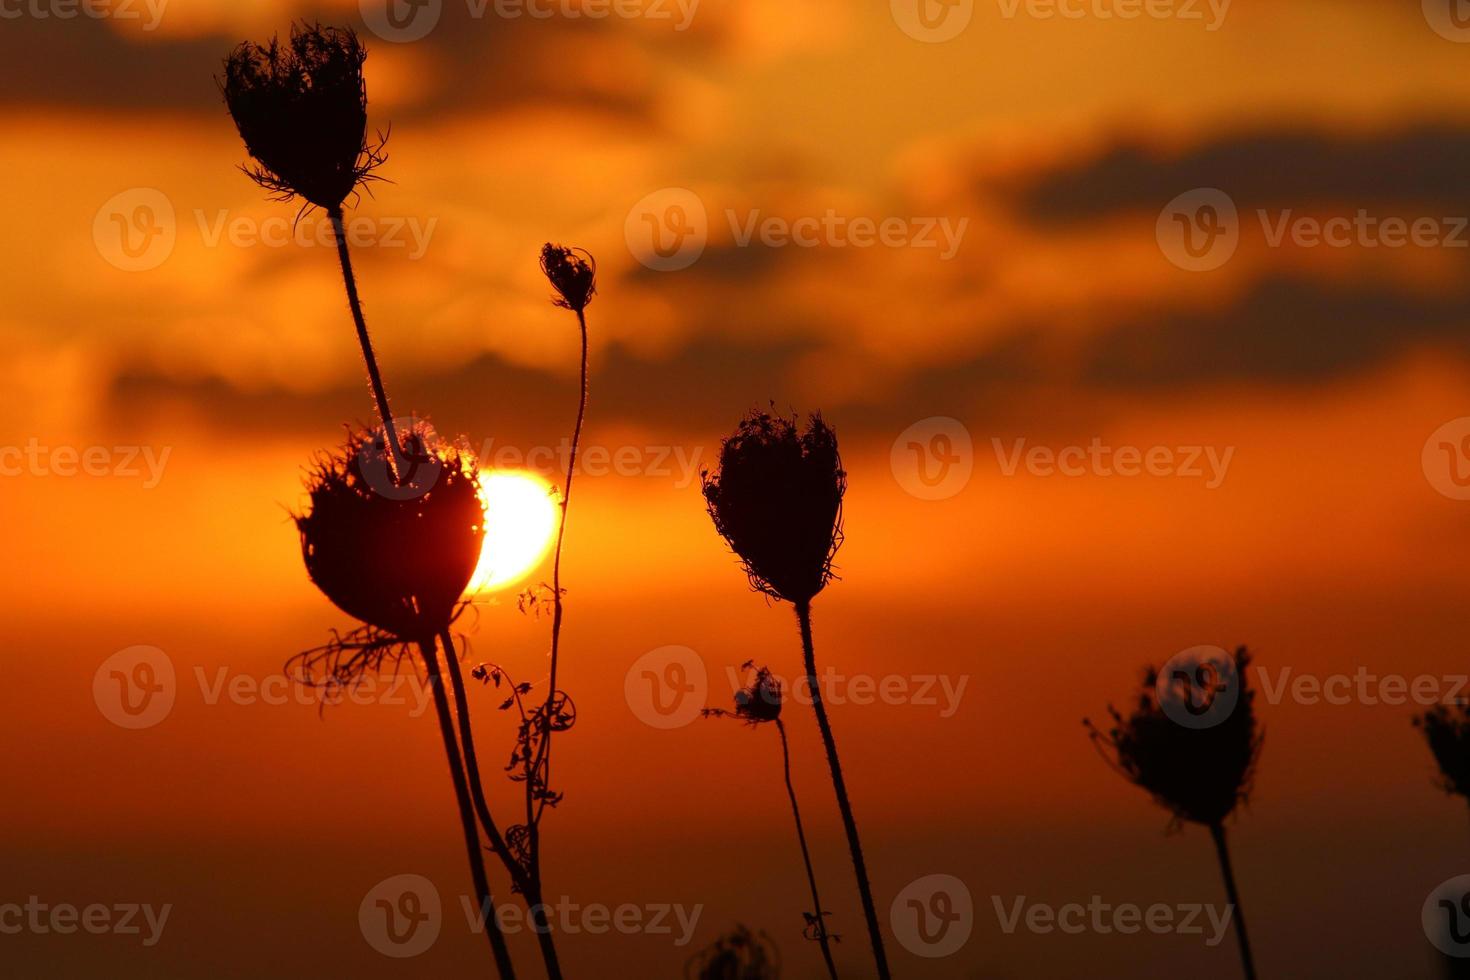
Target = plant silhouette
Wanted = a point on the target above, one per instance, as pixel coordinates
(1194, 753)
(759, 703)
(739, 954)
(777, 501)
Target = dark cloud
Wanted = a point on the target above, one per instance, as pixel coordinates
(1423, 166)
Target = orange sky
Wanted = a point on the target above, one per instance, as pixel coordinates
(1058, 320)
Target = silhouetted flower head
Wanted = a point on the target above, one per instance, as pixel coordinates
(573, 273)
(1195, 756)
(760, 700)
(399, 565)
(1447, 730)
(302, 111)
(777, 499)
(740, 954)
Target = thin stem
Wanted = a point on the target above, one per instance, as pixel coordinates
(859, 866)
(467, 817)
(806, 856)
(385, 415)
(557, 614)
(482, 808)
(1217, 831)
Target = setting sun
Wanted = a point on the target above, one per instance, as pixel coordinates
(520, 522)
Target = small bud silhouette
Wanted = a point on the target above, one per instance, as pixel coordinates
(302, 111)
(573, 274)
(760, 700)
(777, 501)
(739, 954)
(1198, 774)
(400, 565)
(1447, 730)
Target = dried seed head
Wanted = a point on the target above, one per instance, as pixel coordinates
(573, 274)
(739, 954)
(1200, 772)
(777, 500)
(1447, 730)
(400, 565)
(760, 700)
(302, 112)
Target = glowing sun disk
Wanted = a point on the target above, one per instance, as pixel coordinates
(520, 525)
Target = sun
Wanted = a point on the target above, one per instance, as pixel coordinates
(520, 523)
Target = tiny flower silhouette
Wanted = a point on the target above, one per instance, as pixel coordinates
(573, 274)
(398, 565)
(1199, 773)
(301, 109)
(739, 954)
(759, 703)
(777, 500)
(1446, 728)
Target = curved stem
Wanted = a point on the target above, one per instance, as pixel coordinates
(375, 379)
(1217, 831)
(860, 868)
(806, 856)
(531, 891)
(467, 817)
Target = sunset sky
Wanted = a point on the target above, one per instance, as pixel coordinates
(161, 314)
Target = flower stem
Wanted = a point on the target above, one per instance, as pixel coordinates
(1217, 831)
(467, 816)
(806, 856)
(385, 415)
(557, 613)
(530, 890)
(865, 891)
